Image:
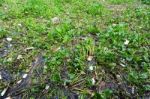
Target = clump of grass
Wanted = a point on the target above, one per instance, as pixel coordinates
(146, 1)
(121, 1)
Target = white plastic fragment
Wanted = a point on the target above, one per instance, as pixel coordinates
(55, 20)
(3, 92)
(25, 75)
(9, 39)
(90, 58)
(47, 87)
(19, 57)
(93, 81)
(126, 42)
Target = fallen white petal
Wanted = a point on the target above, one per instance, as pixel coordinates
(19, 81)
(90, 58)
(25, 75)
(91, 68)
(9, 39)
(123, 65)
(3, 92)
(8, 98)
(19, 24)
(93, 81)
(19, 57)
(0, 76)
(126, 42)
(47, 87)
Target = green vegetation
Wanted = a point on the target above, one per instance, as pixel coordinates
(68, 49)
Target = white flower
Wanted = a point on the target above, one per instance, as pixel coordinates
(90, 58)
(47, 87)
(93, 81)
(126, 42)
(19, 57)
(25, 75)
(55, 20)
(3, 92)
(91, 68)
(9, 39)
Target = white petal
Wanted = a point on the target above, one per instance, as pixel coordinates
(90, 58)
(123, 65)
(47, 87)
(126, 42)
(1, 77)
(29, 48)
(19, 57)
(19, 24)
(93, 81)
(25, 75)
(3, 92)
(9, 39)
(91, 68)
(19, 81)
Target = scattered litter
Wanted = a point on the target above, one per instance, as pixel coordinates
(90, 58)
(19, 57)
(47, 87)
(25, 75)
(55, 20)
(9, 39)
(126, 42)
(3, 92)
